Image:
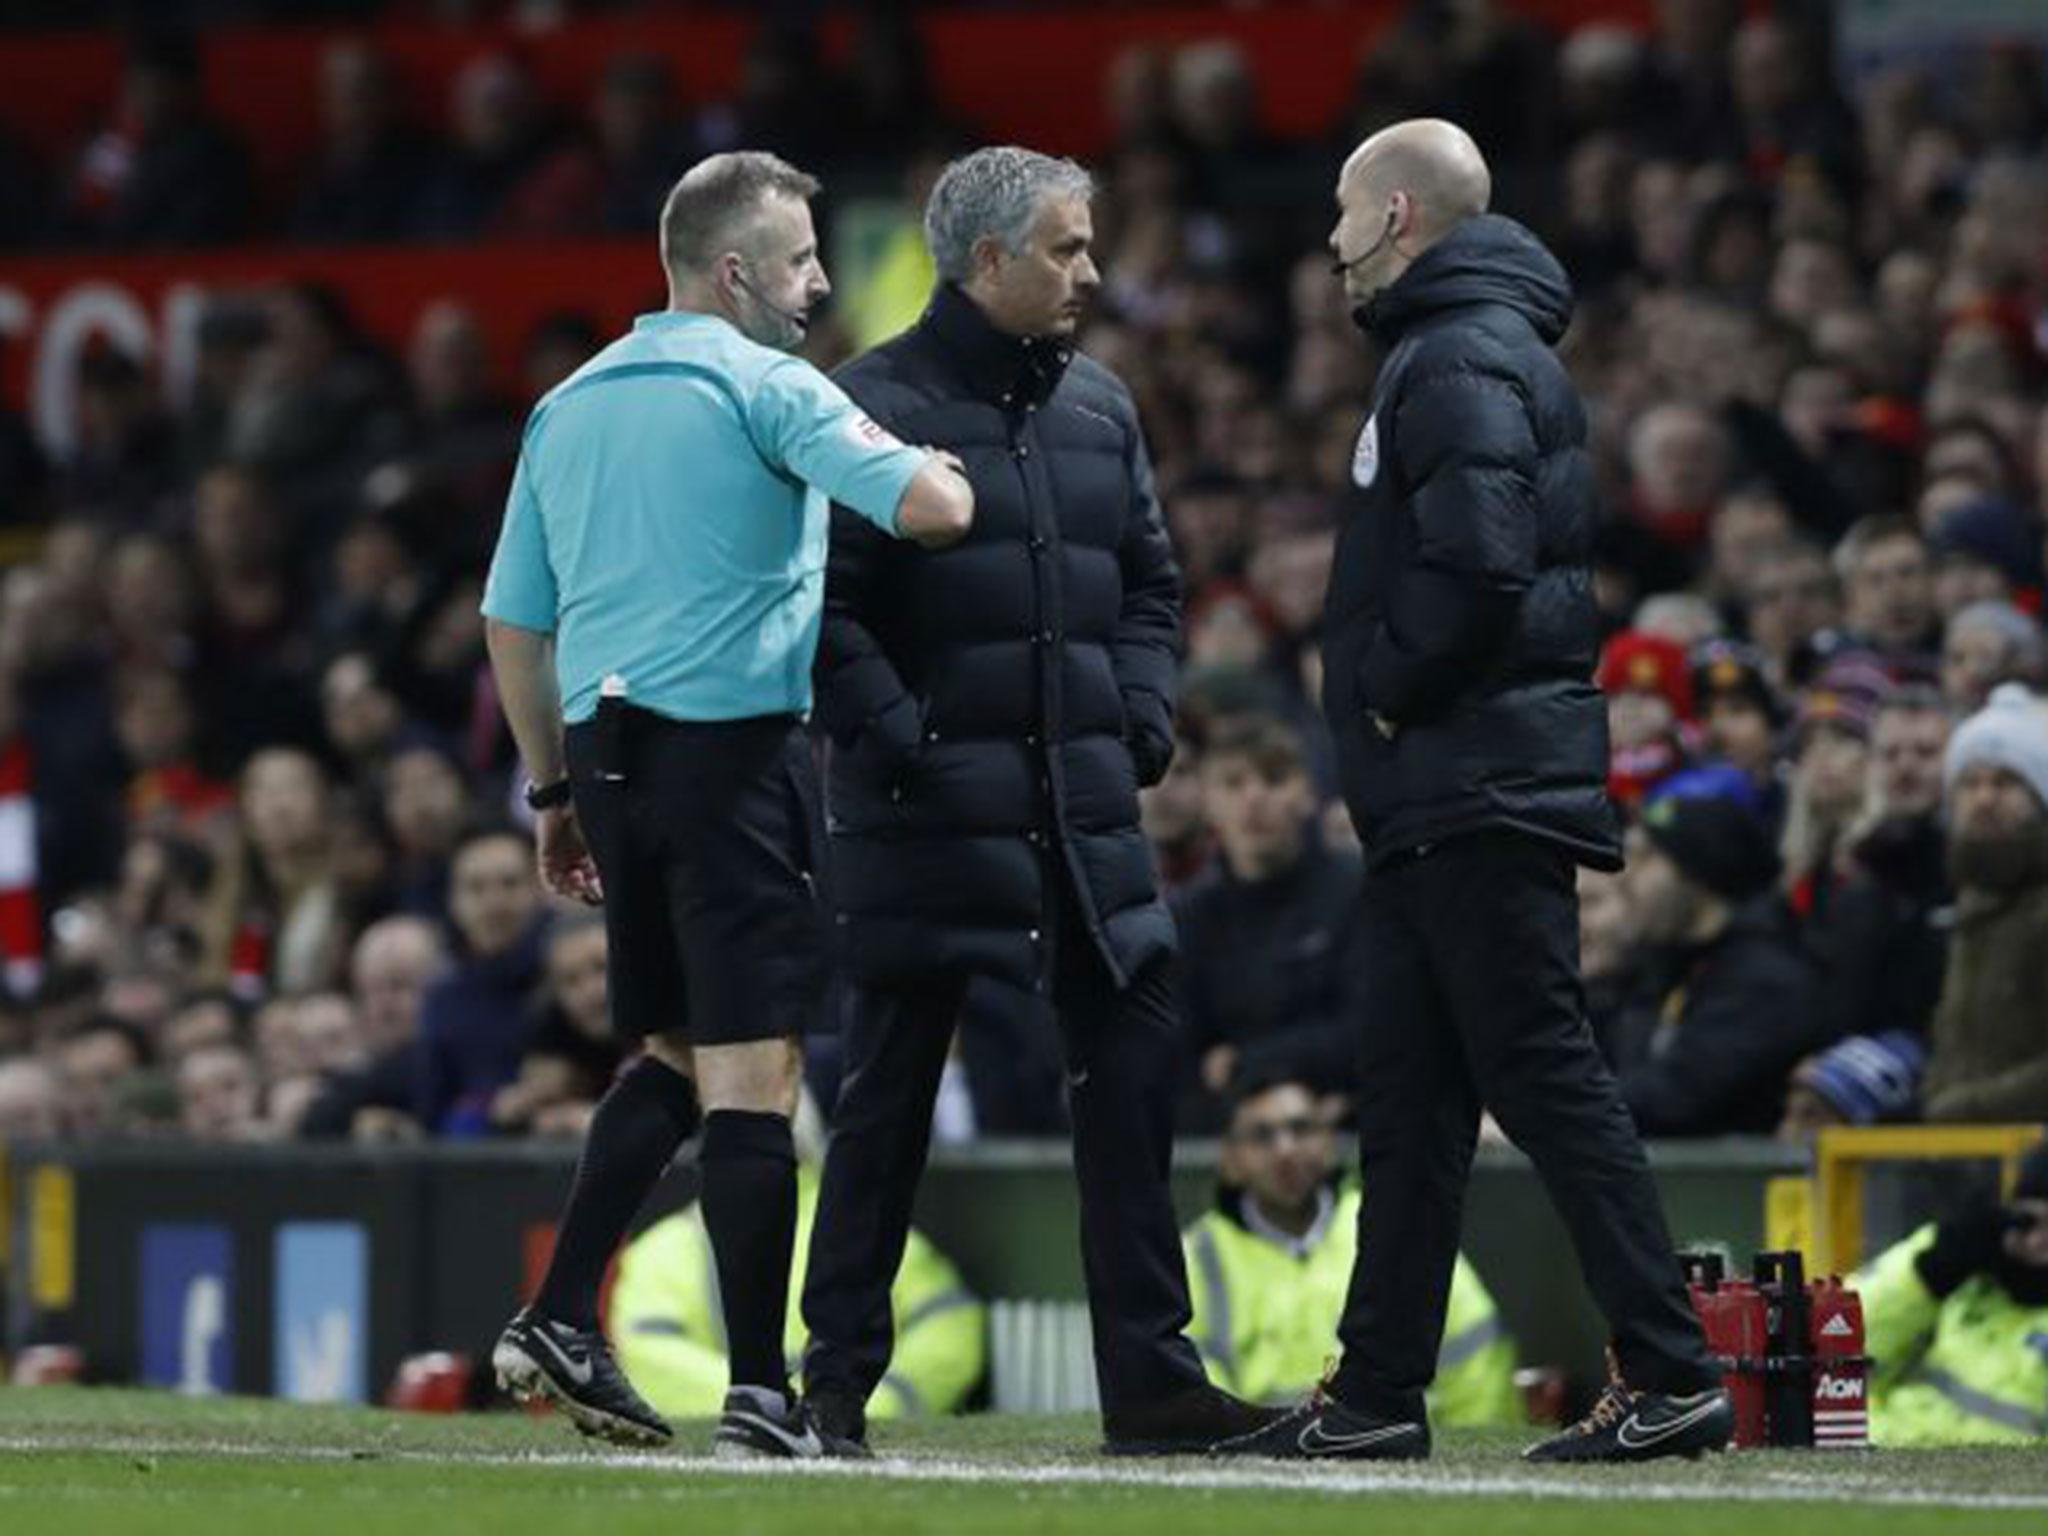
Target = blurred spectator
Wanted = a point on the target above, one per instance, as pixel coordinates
(158, 730)
(330, 1037)
(393, 963)
(207, 1020)
(274, 917)
(556, 347)
(426, 805)
(159, 905)
(1609, 958)
(160, 172)
(1740, 716)
(1986, 644)
(125, 451)
(1888, 593)
(496, 137)
(1989, 1058)
(1830, 785)
(317, 408)
(465, 439)
(94, 1062)
(572, 1054)
(1649, 710)
(899, 281)
(367, 181)
(1271, 977)
(365, 723)
(219, 1096)
(227, 342)
(1687, 619)
(1792, 599)
(1731, 1009)
(29, 1099)
(1678, 473)
(151, 602)
(475, 1018)
(1862, 1080)
(1268, 1267)
(1879, 937)
(253, 659)
(1750, 524)
(1171, 816)
(1985, 549)
(617, 179)
(786, 101)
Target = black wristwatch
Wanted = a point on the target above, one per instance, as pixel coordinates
(547, 797)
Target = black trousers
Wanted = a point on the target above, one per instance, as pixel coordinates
(705, 834)
(1120, 1054)
(1472, 952)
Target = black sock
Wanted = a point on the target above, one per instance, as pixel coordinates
(749, 1166)
(648, 1113)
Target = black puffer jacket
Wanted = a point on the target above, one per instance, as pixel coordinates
(1461, 607)
(995, 706)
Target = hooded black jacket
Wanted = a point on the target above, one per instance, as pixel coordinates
(995, 706)
(1461, 607)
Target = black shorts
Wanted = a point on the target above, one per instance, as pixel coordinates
(707, 849)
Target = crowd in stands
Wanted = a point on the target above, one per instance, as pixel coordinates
(259, 872)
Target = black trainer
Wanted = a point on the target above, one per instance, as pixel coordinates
(842, 1424)
(1324, 1429)
(762, 1424)
(1184, 1424)
(1627, 1425)
(537, 1357)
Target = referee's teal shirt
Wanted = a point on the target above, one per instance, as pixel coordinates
(669, 515)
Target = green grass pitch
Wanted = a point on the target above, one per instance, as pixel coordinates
(82, 1461)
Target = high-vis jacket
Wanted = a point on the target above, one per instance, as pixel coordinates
(1967, 1369)
(1266, 1320)
(668, 1327)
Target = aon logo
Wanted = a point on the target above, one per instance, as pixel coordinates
(1839, 1389)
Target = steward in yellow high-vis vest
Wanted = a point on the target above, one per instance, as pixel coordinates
(665, 1320)
(1956, 1319)
(1266, 1309)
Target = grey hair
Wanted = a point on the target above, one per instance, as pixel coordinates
(993, 194)
(715, 195)
(2024, 646)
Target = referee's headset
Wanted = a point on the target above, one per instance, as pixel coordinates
(796, 318)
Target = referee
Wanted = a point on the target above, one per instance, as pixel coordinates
(652, 612)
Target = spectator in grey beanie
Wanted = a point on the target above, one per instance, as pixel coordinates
(1988, 1061)
(1986, 644)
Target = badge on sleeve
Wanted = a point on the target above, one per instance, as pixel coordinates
(866, 432)
(1365, 458)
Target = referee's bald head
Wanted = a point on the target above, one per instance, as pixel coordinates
(710, 210)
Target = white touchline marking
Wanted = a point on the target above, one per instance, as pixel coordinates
(1609, 1486)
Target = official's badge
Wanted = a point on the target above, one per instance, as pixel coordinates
(1365, 458)
(869, 433)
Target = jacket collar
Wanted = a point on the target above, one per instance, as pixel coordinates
(1009, 371)
(1485, 260)
(1239, 1210)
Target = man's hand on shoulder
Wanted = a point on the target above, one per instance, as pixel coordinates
(938, 505)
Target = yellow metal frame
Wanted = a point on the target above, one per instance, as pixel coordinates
(1844, 1152)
